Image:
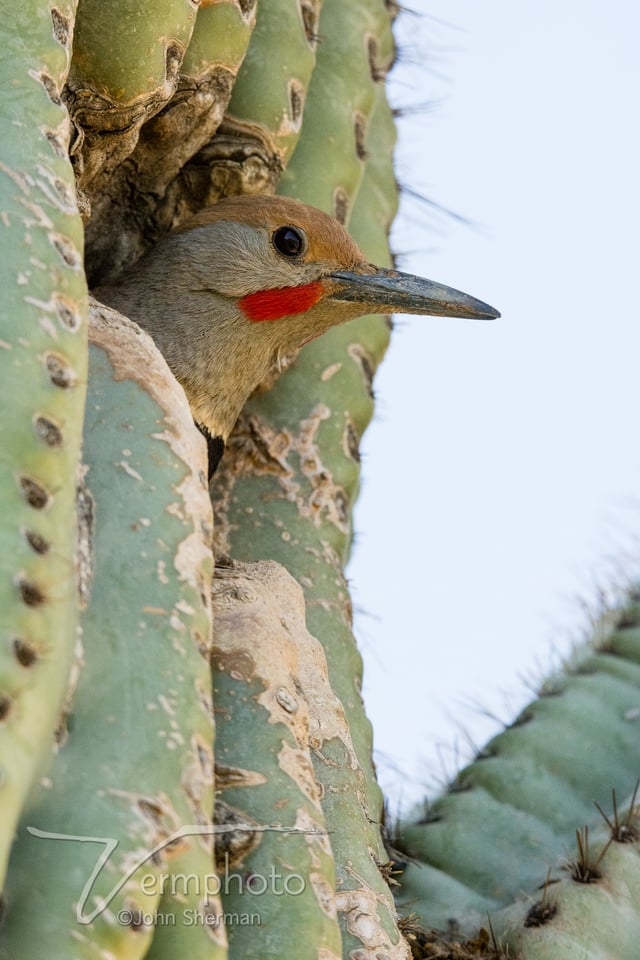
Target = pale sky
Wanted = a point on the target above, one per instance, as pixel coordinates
(501, 478)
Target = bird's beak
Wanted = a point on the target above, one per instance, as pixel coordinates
(394, 292)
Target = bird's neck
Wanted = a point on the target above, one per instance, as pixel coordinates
(225, 367)
(200, 334)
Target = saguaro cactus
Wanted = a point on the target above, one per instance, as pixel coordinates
(108, 673)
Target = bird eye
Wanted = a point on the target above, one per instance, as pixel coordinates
(289, 241)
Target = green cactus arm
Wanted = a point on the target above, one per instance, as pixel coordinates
(221, 36)
(262, 125)
(271, 101)
(499, 828)
(355, 52)
(43, 367)
(190, 918)
(377, 201)
(137, 64)
(586, 908)
(125, 64)
(154, 188)
(274, 707)
(134, 761)
(589, 907)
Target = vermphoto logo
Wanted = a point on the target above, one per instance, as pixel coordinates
(205, 886)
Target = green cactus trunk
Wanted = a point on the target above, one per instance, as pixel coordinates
(270, 677)
(134, 763)
(43, 364)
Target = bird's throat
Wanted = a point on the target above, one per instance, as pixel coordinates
(281, 301)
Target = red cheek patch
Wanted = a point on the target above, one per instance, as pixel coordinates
(281, 302)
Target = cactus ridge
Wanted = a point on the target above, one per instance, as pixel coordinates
(43, 366)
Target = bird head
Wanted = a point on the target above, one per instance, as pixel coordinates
(248, 281)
